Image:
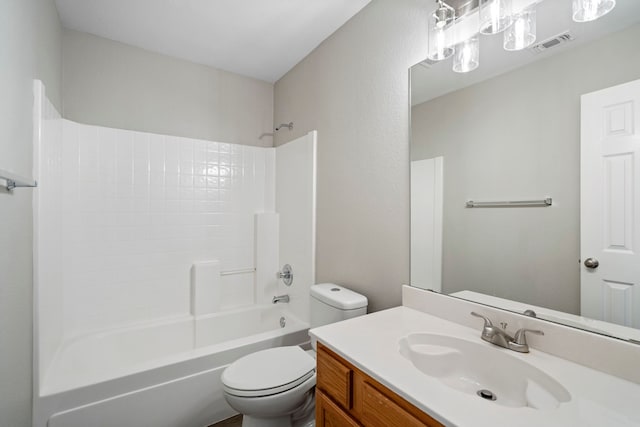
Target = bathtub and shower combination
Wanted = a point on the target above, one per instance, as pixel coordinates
(157, 374)
(127, 331)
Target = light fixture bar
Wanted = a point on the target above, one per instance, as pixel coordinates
(454, 26)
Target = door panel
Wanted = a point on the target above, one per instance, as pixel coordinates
(610, 204)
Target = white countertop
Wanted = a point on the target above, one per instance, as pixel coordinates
(371, 343)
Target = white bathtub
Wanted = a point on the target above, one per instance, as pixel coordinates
(160, 374)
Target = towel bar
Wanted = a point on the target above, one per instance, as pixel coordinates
(513, 203)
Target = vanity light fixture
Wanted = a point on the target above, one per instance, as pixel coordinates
(455, 25)
(467, 55)
(522, 32)
(440, 39)
(590, 10)
(495, 16)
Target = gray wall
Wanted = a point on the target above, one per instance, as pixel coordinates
(30, 47)
(353, 89)
(111, 84)
(518, 136)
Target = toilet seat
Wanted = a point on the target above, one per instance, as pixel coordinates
(268, 372)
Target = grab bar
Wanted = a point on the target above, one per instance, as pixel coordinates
(16, 181)
(514, 203)
(234, 272)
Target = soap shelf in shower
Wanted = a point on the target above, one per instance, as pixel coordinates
(16, 181)
(510, 204)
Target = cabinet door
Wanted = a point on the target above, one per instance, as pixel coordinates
(334, 378)
(328, 414)
(347, 397)
(379, 410)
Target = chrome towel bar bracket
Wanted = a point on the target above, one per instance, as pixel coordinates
(16, 181)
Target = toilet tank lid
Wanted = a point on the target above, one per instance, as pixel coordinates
(338, 296)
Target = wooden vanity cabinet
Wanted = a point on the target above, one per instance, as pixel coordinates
(347, 397)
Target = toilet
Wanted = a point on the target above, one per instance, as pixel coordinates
(275, 387)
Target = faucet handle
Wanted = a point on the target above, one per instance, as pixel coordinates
(286, 275)
(519, 342)
(487, 322)
(520, 336)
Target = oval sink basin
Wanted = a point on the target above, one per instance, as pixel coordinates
(478, 369)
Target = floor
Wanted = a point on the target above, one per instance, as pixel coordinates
(231, 422)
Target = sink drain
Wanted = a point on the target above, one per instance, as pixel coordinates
(486, 394)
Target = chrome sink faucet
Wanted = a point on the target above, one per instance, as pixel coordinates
(492, 333)
(500, 337)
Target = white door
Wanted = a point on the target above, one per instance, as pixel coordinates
(426, 223)
(610, 205)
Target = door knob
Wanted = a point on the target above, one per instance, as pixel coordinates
(591, 263)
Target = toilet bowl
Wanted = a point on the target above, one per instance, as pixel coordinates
(276, 387)
(272, 388)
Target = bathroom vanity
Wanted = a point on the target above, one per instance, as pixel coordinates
(346, 396)
(378, 370)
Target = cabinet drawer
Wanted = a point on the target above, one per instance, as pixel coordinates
(334, 378)
(328, 414)
(380, 411)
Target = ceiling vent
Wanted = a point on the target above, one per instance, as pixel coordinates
(552, 42)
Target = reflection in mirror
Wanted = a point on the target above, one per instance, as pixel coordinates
(511, 131)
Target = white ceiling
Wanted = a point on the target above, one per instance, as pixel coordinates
(553, 17)
(257, 38)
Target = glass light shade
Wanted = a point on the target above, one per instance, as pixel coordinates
(440, 37)
(467, 55)
(495, 16)
(590, 10)
(522, 32)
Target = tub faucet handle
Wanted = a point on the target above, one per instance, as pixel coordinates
(286, 275)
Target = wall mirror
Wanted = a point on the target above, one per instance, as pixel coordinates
(510, 131)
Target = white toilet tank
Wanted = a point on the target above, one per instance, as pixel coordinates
(332, 303)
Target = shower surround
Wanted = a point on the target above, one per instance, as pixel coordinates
(155, 251)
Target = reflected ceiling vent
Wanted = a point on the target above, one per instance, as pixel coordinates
(552, 42)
